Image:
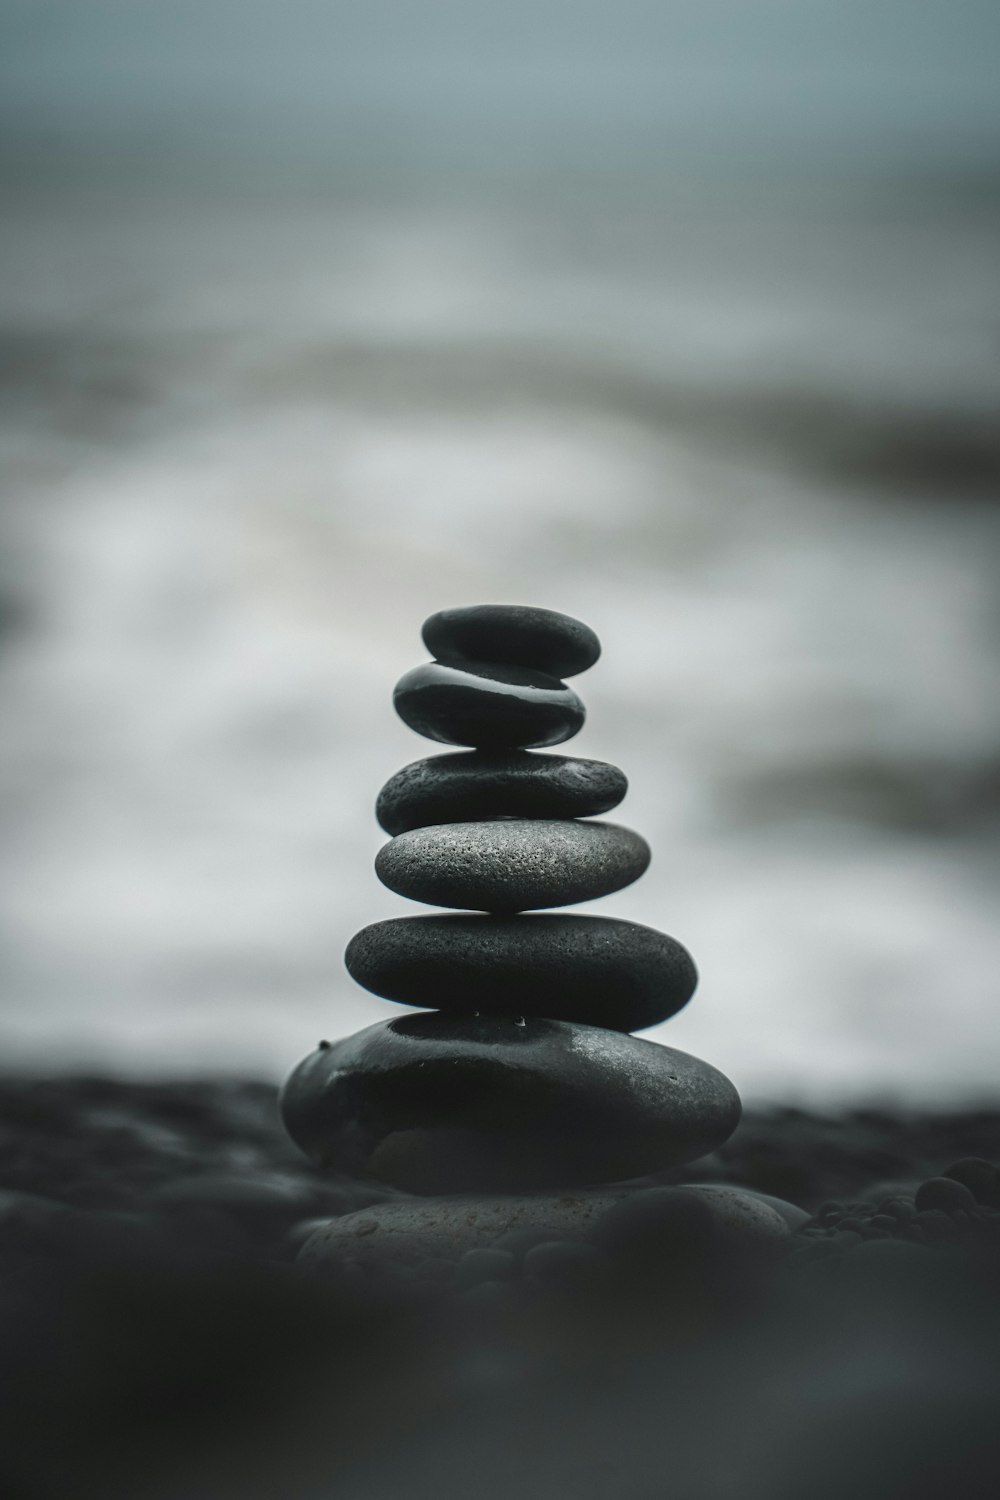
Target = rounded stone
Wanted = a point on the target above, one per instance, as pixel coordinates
(649, 1225)
(484, 1264)
(517, 634)
(408, 1231)
(979, 1176)
(565, 1263)
(943, 1193)
(472, 785)
(451, 1104)
(511, 865)
(793, 1216)
(486, 706)
(600, 971)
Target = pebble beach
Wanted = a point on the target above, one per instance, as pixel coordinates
(320, 319)
(159, 1322)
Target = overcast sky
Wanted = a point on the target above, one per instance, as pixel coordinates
(917, 77)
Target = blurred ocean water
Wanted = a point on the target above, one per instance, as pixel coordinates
(256, 425)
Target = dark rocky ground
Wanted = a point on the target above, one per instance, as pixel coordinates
(157, 1342)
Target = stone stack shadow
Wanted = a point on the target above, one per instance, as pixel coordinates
(521, 1074)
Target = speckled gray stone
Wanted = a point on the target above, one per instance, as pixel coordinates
(600, 971)
(410, 1230)
(415, 1229)
(518, 634)
(473, 784)
(792, 1216)
(517, 864)
(486, 706)
(450, 1104)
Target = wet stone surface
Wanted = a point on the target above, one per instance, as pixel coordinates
(472, 785)
(480, 1225)
(448, 1104)
(600, 971)
(519, 635)
(97, 1141)
(175, 1341)
(488, 707)
(512, 865)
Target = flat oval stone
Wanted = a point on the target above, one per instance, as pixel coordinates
(409, 1230)
(452, 1104)
(472, 785)
(600, 971)
(511, 865)
(489, 707)
(519, 634)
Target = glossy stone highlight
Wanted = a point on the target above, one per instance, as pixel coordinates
(450, 1104)
(599, 971)
(512, 864)
(488, 707)
(516, 634)
(472, 785)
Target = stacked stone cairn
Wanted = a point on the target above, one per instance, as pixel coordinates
(520, 1078)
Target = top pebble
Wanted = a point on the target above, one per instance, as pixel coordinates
(516, 635)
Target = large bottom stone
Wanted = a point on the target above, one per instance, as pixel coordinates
(451, 1104)
(413, 1229)
(600, 971)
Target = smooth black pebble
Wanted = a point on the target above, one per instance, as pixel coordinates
(487, 706)
(449, 1104)
(473, 785)
(979, 1176)
(600, 971)
(944, 1194)
(518, 634)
